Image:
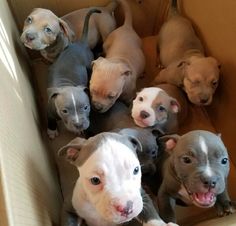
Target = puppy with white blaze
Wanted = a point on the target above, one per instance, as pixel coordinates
(108, 191)
(153, 107)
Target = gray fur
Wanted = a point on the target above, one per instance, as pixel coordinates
(193, 176)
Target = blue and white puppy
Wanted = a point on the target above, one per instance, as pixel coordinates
(67, 86)
(108, 191)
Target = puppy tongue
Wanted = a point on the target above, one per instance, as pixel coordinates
(204, 199)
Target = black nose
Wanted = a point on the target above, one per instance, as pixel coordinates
(209, 182)
(144, 114)
(30, 36)
(78, 125)
(204, 100)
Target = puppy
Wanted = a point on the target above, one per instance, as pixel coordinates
(67, 86)
(118, 119)
(49, 34)
(183, 59)
(153, 107)
(194, 169)
(108, 190)
(115, 75)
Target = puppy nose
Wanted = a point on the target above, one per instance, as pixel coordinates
(78, 125)
(30, 36)
(97, 106)
(209, 182)
(144, 114)
(125, 211)
(204, 100)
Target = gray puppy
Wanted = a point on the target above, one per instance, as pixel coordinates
(195, 171)
(67, 86)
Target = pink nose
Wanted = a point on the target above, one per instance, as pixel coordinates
(125, 211)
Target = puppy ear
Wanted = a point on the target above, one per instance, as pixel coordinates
(157, 133)
(215, 61)
(97, 61)
(66, 30)
(170, 142)
(136, 143)
(183, 63)
(52, 92)
(71, 150)
(174, 105)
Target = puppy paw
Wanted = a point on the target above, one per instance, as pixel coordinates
(172, 224)
(225, 208)
(52, 134)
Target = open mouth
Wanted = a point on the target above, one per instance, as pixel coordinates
(204, 200)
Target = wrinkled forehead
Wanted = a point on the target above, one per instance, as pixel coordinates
(202, 143)
(149, 93)
(107, 149)
(203, 70)
(71, 96)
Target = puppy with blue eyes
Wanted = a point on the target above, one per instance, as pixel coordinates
(108, 191)
(45, 32)
(153, 107)
(68, 98)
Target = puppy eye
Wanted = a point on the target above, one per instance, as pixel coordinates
(29, 20)
(140, 99)
(136, 170)
(64, 111)
(196, 82)
(86, 107)
(110, 97)
(186, 160)
(95, 181)
(224, 161)
(47, 30)
(214, 83)
(161, 108)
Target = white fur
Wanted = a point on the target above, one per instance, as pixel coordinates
(160, 222)
(52, 133)
(74, 104)
(204, 148)
(113, 162)
(148, 95)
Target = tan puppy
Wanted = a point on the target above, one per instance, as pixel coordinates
(115, 76)
(182, 56)
(49, 34)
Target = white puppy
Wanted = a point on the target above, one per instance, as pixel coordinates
(108, 191)
(153, 107)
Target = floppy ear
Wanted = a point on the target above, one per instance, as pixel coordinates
(52, 92)
(97, 61)
(170, 142)
(215, 61)
(136, 144)
(71, 150)
(183, 63)
(66, 30)
(157, 133)
(174, 105)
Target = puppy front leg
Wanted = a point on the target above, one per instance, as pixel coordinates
(52, 128)
(149, 215)
(223, 204)
(166, 205)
